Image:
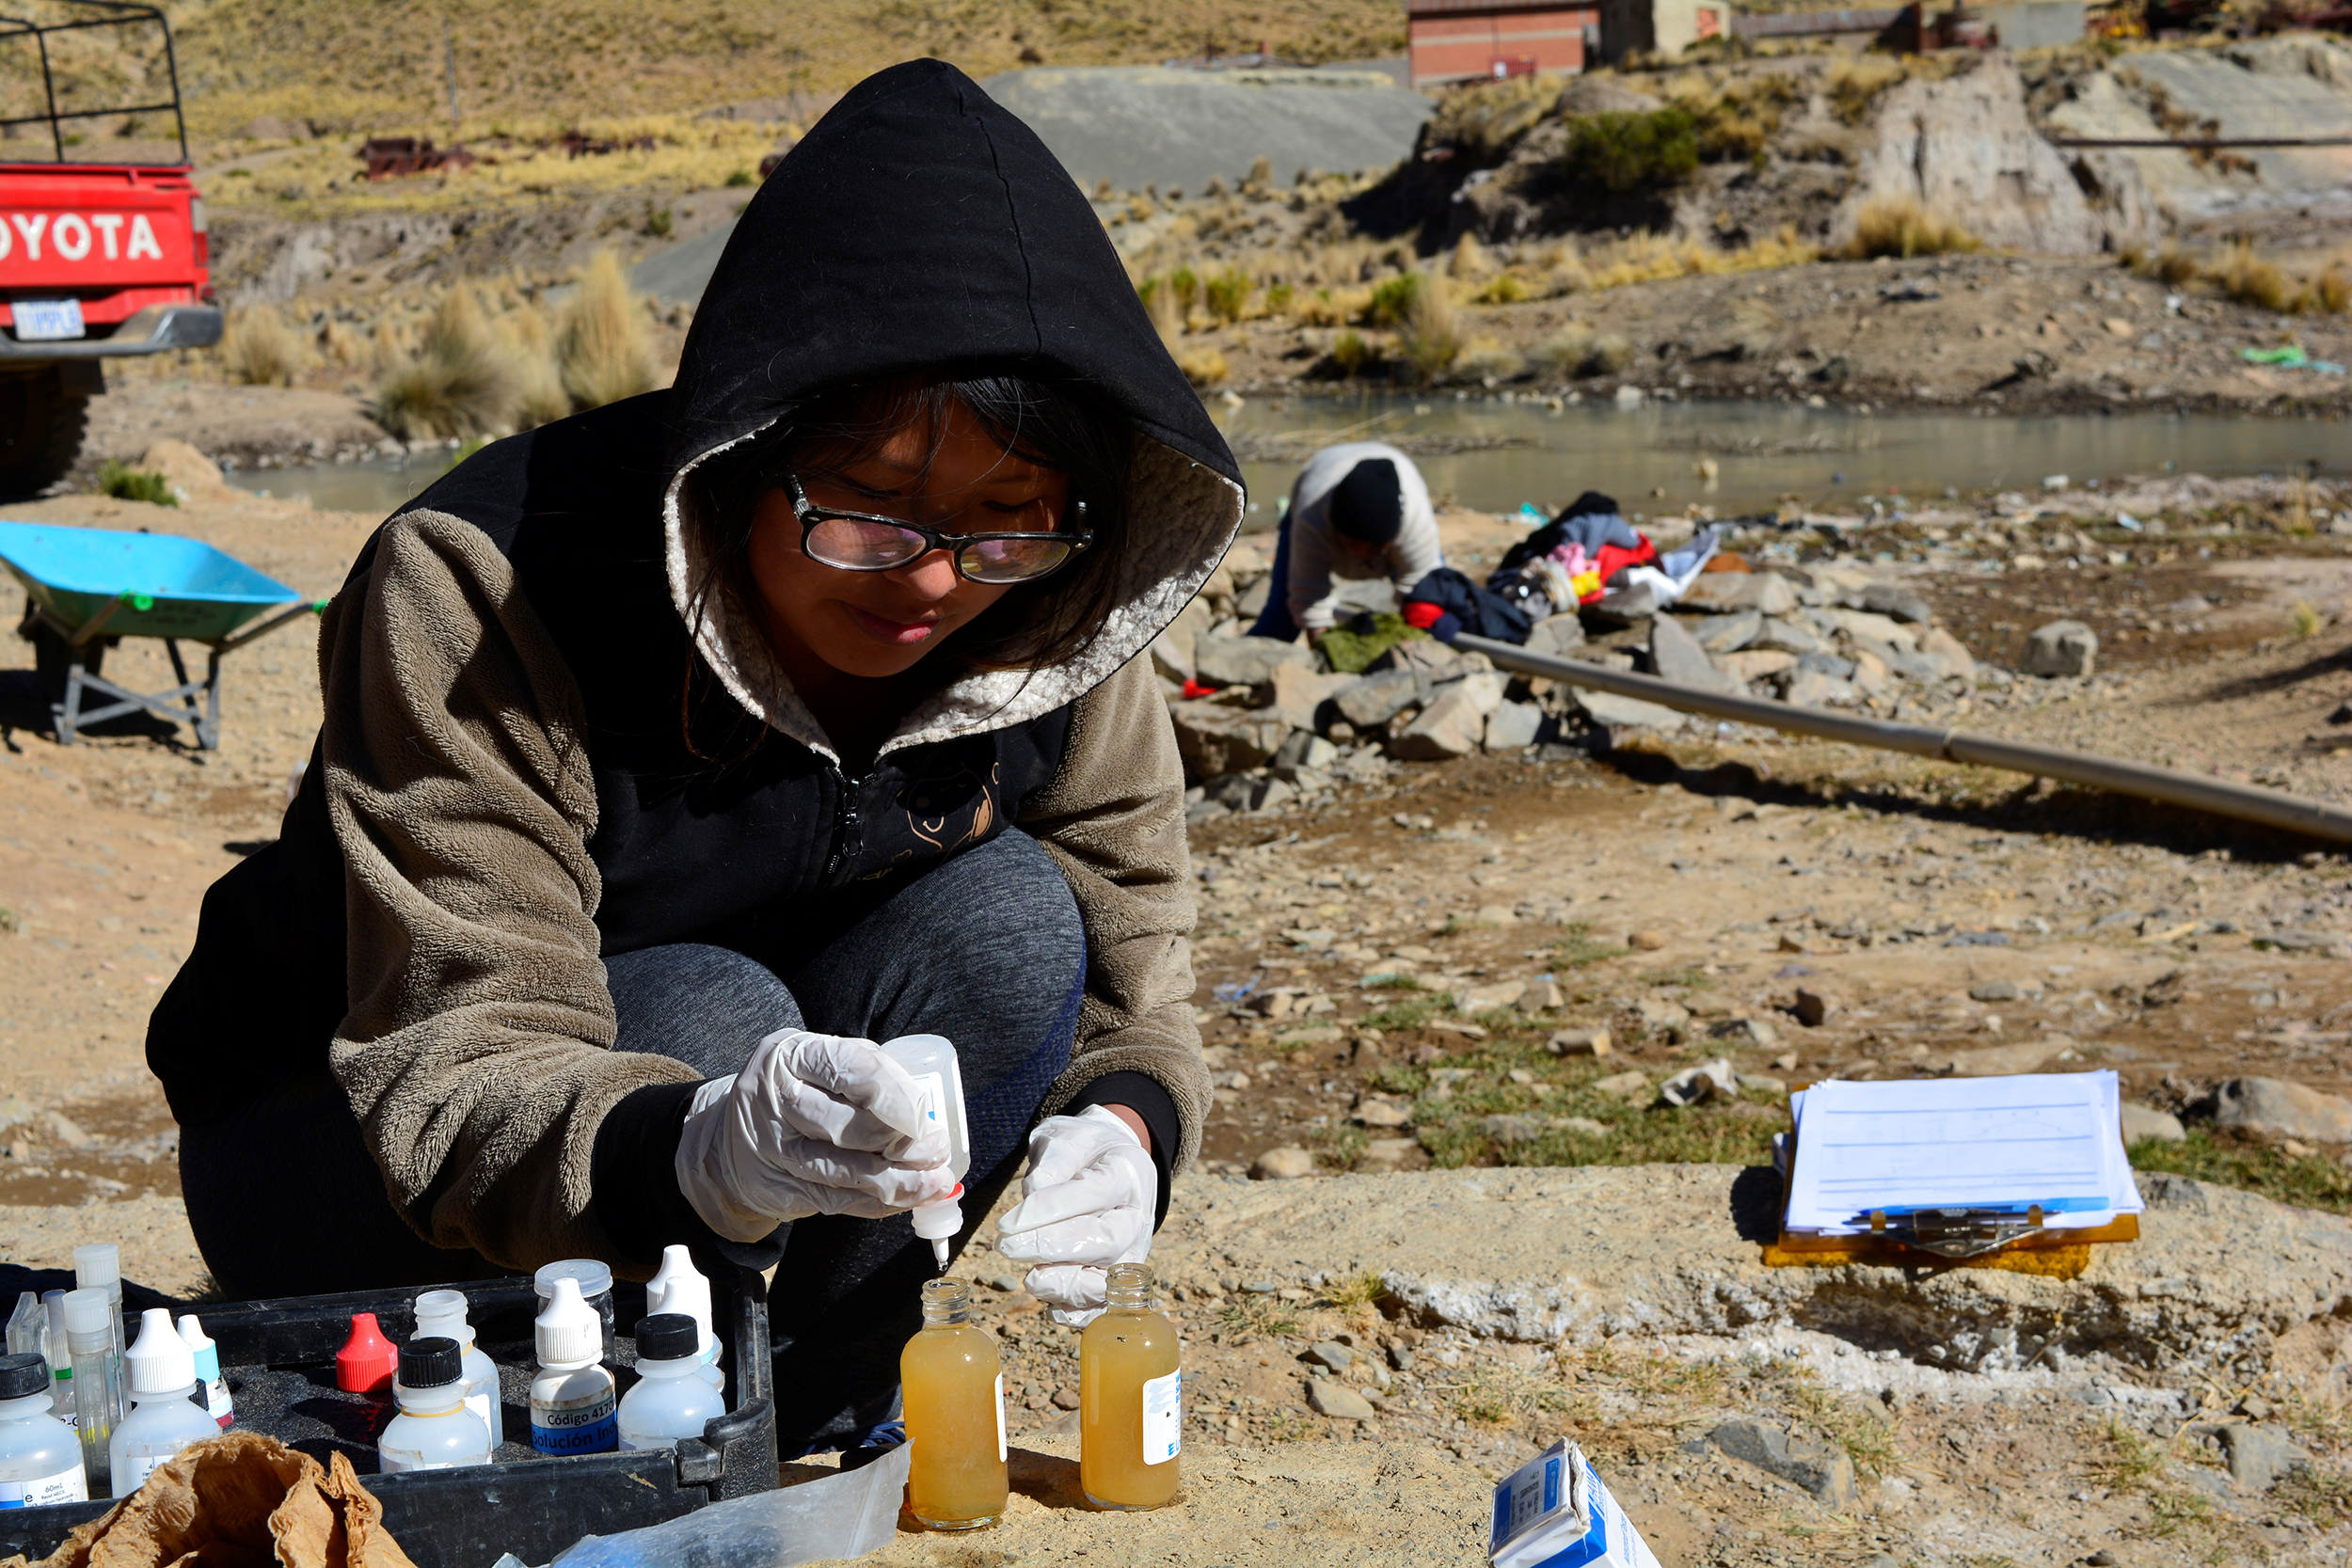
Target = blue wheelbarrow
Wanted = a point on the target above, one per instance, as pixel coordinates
(90, 588)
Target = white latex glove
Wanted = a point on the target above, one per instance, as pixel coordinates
(814, 1124)
(1086, 1204)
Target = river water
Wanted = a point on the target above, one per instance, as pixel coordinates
(1494, 455)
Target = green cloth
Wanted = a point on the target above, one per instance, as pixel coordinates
(1351, 652)
(2291, 355)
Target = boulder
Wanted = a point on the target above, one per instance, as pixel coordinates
(2146, 1121)
(1301, 692)
(1512, 726)
(1374, 700)
(2258, 1456)
(1171, 651)
(1611, 711)
(1903, 604)
(1674, 655)
(193, 475)
(1215, 738)
(1786, 637)
(2286, 1110)
(1813, 1008)
(1936, 642)
(2060, 648)
(1556, 634)
(1285, 1163)
(1245, 660)
(1627, 607)
(1629, 1085)
(1586, 1041)
(1865, 626)
(1452, 725)
(1820, 1469)
(1728, 634)
(1337, 1402)
(1816, 689)
(1755, 664)
(1727, 593)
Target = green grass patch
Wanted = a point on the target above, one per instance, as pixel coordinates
(1395, 982)
(1393, 300)
(135, 485)
(1632, 152)
(2309, 1180)
(1340, 1145)
(1575, 948)
(1416, 1009)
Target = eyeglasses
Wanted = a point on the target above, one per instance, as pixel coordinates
(862, 542)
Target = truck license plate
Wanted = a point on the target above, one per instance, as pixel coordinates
(46, 321)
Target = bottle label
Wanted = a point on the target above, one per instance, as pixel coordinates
(581, 1425)
(66, 1486)
(1000, 1418)
(132, 1473)
(1163, 1417)
(217, 1404)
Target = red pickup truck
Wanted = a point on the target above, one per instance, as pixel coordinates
(103, 244)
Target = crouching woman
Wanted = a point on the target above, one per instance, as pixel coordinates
(677, 753)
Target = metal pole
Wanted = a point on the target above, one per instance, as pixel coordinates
(2248, 802)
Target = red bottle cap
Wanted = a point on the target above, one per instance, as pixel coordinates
(366, 1363)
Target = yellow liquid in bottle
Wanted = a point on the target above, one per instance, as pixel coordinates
(1121, 1351)
(953, 1390)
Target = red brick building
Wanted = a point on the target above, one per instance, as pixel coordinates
(1454, 40)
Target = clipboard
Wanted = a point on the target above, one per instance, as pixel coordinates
(2054, 1254)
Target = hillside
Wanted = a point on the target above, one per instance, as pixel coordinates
(382, 69)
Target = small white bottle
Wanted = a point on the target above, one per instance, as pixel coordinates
(162, 1421)
(214, 1394)
(677, 1285)
(41, 1457)
(442, 1313)
(670, 1400)
(435, 1430)
(571, 1399)
(98, 1266)
(931, 1061)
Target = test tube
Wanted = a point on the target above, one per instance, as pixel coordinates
(61, 1361)
(98, 1266)
(89, 1340)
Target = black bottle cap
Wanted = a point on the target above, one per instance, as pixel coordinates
(430, 1363)
(667, 1337)
(24, 1375)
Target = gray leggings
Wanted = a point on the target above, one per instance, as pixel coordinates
(984, 948)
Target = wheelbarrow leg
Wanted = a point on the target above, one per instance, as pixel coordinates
(64, 713)
(208, 732)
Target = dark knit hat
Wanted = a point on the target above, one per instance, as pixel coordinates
(1369, 504)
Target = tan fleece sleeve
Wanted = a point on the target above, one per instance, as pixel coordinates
(1114, 822)
(476, 1052)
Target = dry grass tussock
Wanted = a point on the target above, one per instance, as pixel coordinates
(259, 348)
(601, 349)
(2245, 275)
(1899, 225)
(1430, 337)
(467, 378)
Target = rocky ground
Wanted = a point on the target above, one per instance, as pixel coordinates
(1407, 974)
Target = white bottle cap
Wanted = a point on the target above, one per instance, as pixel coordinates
(939, 1222)
(443, 1314)
(97, 1267)
(86, 1313)
(160, 1362)
(679, 1287)
(593, 1278)
(567, 1332)
(192, 1334)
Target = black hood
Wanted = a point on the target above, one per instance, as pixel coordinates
(920, 223)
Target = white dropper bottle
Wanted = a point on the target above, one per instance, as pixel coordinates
(572, 1398)
(677, 1285)
(931, 1061)
(162, 1421)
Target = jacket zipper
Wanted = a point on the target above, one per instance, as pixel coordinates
(846, 841)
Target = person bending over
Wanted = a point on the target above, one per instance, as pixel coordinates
(676, 752)
(1359, 512)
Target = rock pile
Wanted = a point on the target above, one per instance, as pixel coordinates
(1281, 728)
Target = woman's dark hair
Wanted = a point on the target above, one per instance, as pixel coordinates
(1057, 424)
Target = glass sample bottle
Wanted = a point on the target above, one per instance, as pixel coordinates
(953, 1385)
(571, 1399)
(435, 1429)
(671, 1400)
(40, 1458)
(1131, 1408)
(443, 1314)
(162, 1421)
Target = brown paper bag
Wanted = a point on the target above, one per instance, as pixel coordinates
(242, 1501)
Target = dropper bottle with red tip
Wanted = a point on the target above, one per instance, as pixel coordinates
(366, 1363)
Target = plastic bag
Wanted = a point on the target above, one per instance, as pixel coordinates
(848, 1515)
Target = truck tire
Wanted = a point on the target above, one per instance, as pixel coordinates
(42, 418)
